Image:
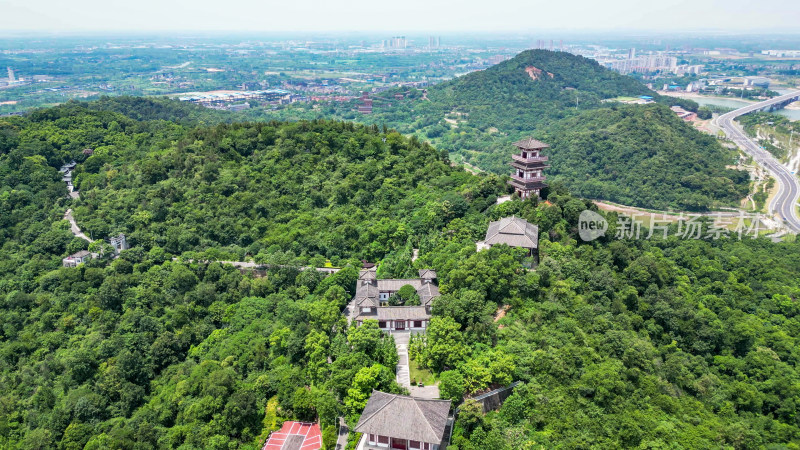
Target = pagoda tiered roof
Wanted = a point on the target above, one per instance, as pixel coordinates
(530, 144)
(530, 165)
(530, 159)
(527, 183)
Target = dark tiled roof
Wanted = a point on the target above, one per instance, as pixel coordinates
(394, 284)
(293, 442)
(427, 274)
(368, 292)
(398, 313)
(404, 417)
(530, 144)
(362, 302)
(367, 274)
(427, 292)
(514, 232)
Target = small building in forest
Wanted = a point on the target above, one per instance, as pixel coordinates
(119, 242)
(372, 301)
(688, 116)
(514, 232)
(78, 258)
(366, 104)
(402, 422)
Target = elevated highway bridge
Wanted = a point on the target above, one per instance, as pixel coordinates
(784, 204)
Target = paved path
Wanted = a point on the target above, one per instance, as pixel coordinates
(74, 226)
(784, 204)
(255, 265)
(430, 392)
(403, 372)
(503, 198)
(344, 431)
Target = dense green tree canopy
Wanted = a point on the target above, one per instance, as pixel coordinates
(619, 343)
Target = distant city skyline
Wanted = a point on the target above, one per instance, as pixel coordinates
(409, 16)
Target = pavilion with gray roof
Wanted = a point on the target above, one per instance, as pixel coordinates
(514, 232)
(401, 422)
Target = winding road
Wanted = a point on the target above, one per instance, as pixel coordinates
(73, 227)
(784, 204)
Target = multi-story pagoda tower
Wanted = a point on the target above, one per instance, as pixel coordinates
(529, 165)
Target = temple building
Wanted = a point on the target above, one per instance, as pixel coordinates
(404, 423)
(512, 231)
(529, 165)
(372, 301)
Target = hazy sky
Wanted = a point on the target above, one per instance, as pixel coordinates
(399, 15)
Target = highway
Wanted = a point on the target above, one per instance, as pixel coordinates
(784, 204)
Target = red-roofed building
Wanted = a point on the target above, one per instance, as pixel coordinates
(295, 436)
(684, 114)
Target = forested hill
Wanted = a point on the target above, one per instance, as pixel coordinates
(145, 109)
(328, 188)
(649, 159)
(642, 155)
(146, 351)
(534, 88)
(620, 343)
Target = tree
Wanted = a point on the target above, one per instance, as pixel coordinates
(488, 272)
(303, 405)
(365, 337)
(316, 347)
(470, 416)
(329, 436)
(445, 346)
(323, 315)
(406, 295)
(472, 312)
(451, 385)
(376, 377)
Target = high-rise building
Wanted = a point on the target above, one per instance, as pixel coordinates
(632, 53)
(643, 64)
(397, 42)
(11, 77)
(529, 164)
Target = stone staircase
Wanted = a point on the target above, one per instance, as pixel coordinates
(402, 371)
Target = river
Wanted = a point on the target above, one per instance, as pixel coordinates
(792, 114)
